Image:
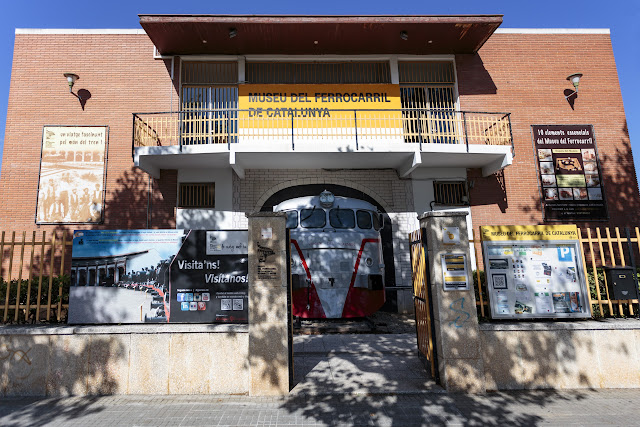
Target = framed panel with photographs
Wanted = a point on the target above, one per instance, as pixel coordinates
(72, 169)
(569, 173)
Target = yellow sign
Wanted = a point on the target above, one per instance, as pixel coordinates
(318, 106)
(529, 232)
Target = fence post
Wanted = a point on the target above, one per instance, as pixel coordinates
(53, 255)
(28, 302)
(64, 250)
(355, 124)
(180, 125)
(632, 260)
(466, 134)
(44, 237)
(293, 145)
(420, 130)
(6, 302)
(513, 148)
(228, 130)
(24, 239)
(133, 137)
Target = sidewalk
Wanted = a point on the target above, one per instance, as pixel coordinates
(597, 408)
(359, 364)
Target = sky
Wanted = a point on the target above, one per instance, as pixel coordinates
(622, 17)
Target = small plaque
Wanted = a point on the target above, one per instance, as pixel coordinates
(454, 272)
(450, 235)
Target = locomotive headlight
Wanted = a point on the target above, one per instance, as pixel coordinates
(326, 199)
(369, 262)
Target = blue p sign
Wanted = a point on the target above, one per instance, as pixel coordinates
(564, 254)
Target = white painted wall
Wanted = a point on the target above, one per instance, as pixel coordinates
(422, 180)
(220, 218)
(423, 195)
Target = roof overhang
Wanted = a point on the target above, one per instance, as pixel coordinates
(311, 35)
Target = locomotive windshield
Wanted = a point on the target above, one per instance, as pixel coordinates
(339, 218)
(292, 219)
(313, 218)
(342, 218)
(364, 220)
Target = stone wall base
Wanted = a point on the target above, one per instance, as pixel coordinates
(133, 359)
(561, 355)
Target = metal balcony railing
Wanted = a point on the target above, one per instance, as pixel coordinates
(315, 125)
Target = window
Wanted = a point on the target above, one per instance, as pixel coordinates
(364, 219)
(342, 218)
(377, 221)
(453, 193)
(197, 195)
(292, 219)
(313, 218)
(208, 101)
(428, 100)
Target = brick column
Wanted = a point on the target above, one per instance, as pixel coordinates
(269, 350)
(457, 336)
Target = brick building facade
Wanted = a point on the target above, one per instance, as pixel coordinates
(518, 72)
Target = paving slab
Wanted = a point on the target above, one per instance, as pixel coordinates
(359, 364)
(612, 407)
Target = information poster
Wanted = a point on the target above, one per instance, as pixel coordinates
(71, 187)
(159, 276)
(534, 272)
(454, 272)
(569, 171)
(209, 278)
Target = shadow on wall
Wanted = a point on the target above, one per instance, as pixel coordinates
(620, 190)
(620, 184)
(139, 201)
(63, 365)
(473, 77)
(490, 190)
(136, 202)
(207, 219)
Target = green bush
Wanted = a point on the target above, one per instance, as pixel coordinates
(32, 297)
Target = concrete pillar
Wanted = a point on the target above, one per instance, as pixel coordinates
(269, 347)
(457, 336)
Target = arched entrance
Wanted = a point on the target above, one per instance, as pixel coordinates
(341, 190)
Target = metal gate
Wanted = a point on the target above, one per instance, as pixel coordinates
(422, 299)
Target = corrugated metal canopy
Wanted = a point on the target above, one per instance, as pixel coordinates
(311, 35)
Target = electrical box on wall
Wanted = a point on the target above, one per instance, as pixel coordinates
(620, 282)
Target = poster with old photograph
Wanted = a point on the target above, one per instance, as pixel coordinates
(569, 173)
(72, 166)
(159, 276)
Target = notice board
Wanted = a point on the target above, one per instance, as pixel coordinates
(534, 271)
(569, 173)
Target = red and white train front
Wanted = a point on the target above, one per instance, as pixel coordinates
(336, 256)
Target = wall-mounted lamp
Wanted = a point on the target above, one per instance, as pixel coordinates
(404, 35)
(575, 80)
(232, 32)
(71, 79)
(83, 95)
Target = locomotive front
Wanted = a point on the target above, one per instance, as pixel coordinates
(336, 256)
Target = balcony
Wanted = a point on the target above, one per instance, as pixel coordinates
(322, 138)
